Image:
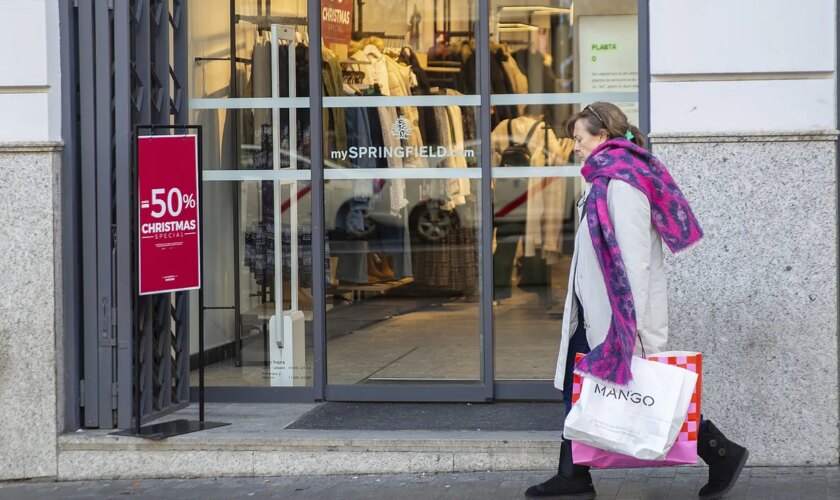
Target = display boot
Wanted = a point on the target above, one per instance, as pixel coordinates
(386, 268)
(374, 272)
(724, 458)
(571, 482)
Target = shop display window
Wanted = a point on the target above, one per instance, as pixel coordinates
(406, 202)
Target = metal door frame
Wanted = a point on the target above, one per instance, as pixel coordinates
(481, 390)
(488, 389)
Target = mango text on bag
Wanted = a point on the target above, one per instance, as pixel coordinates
(633, 397)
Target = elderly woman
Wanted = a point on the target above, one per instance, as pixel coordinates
(617, 288)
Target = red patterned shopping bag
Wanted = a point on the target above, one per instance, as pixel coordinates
(684, 450)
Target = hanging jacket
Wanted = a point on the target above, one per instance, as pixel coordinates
(376, 72)
(335, 131)
(519, 82)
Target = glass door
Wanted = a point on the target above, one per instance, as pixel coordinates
(549, 59)
(402, 201)
(415, 245)
(250, 93)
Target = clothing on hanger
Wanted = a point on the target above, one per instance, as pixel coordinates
(543, 228)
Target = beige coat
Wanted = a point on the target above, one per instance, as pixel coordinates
(641, 250)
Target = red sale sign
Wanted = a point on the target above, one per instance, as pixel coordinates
(169, 255)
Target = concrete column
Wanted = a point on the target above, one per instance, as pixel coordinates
(759, 295)
(743, 111)
(30, 237)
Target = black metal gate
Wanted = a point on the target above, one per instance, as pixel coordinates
(124, 63)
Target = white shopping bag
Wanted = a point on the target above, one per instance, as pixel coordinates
(641, 420)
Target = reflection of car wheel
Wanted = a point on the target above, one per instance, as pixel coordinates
(433, 223)
(354, 228)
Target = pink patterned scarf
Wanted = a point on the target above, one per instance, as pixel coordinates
(622, 160)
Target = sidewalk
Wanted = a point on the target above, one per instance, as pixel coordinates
(264, 440)
(260, 443)
(812, 483)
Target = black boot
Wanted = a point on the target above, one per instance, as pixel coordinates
(725, 459)
(571, 482)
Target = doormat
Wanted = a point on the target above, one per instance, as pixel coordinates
(434, 417)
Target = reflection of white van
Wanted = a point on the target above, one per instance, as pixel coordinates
(429, 217)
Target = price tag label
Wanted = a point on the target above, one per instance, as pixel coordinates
(169, 243)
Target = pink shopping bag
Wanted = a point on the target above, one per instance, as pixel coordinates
(684, 451)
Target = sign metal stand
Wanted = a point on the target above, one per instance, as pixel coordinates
(180, 426)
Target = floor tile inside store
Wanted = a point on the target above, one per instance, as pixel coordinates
(435, 341)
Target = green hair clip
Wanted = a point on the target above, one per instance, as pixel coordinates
(629, 135)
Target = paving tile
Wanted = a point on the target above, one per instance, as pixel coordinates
(755, 484)
(607, 488)
(659, 487)
(632, 490)
(664, 472)
(763, 487)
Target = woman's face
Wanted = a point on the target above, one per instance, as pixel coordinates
(586, 142)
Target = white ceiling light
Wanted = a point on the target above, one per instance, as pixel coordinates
(510, 27)
(536, 9)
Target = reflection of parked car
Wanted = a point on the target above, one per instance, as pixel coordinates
(350, 216)
(431, 218)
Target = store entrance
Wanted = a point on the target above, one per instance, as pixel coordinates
(403, 304)
(409, 237)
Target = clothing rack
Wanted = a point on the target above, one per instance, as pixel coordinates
(264, 22)
(358, 35)
(358, 17)
(517, 43)
(446, 11)
(263, 6)
(443, 67)
(241, 60)
(392, 42)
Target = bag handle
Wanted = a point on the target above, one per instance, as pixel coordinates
(642, 344)
(531, 132)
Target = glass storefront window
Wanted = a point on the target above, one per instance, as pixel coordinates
(408, 200)
(250, 92)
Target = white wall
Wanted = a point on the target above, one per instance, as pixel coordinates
(30, 76)
(746, 65)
